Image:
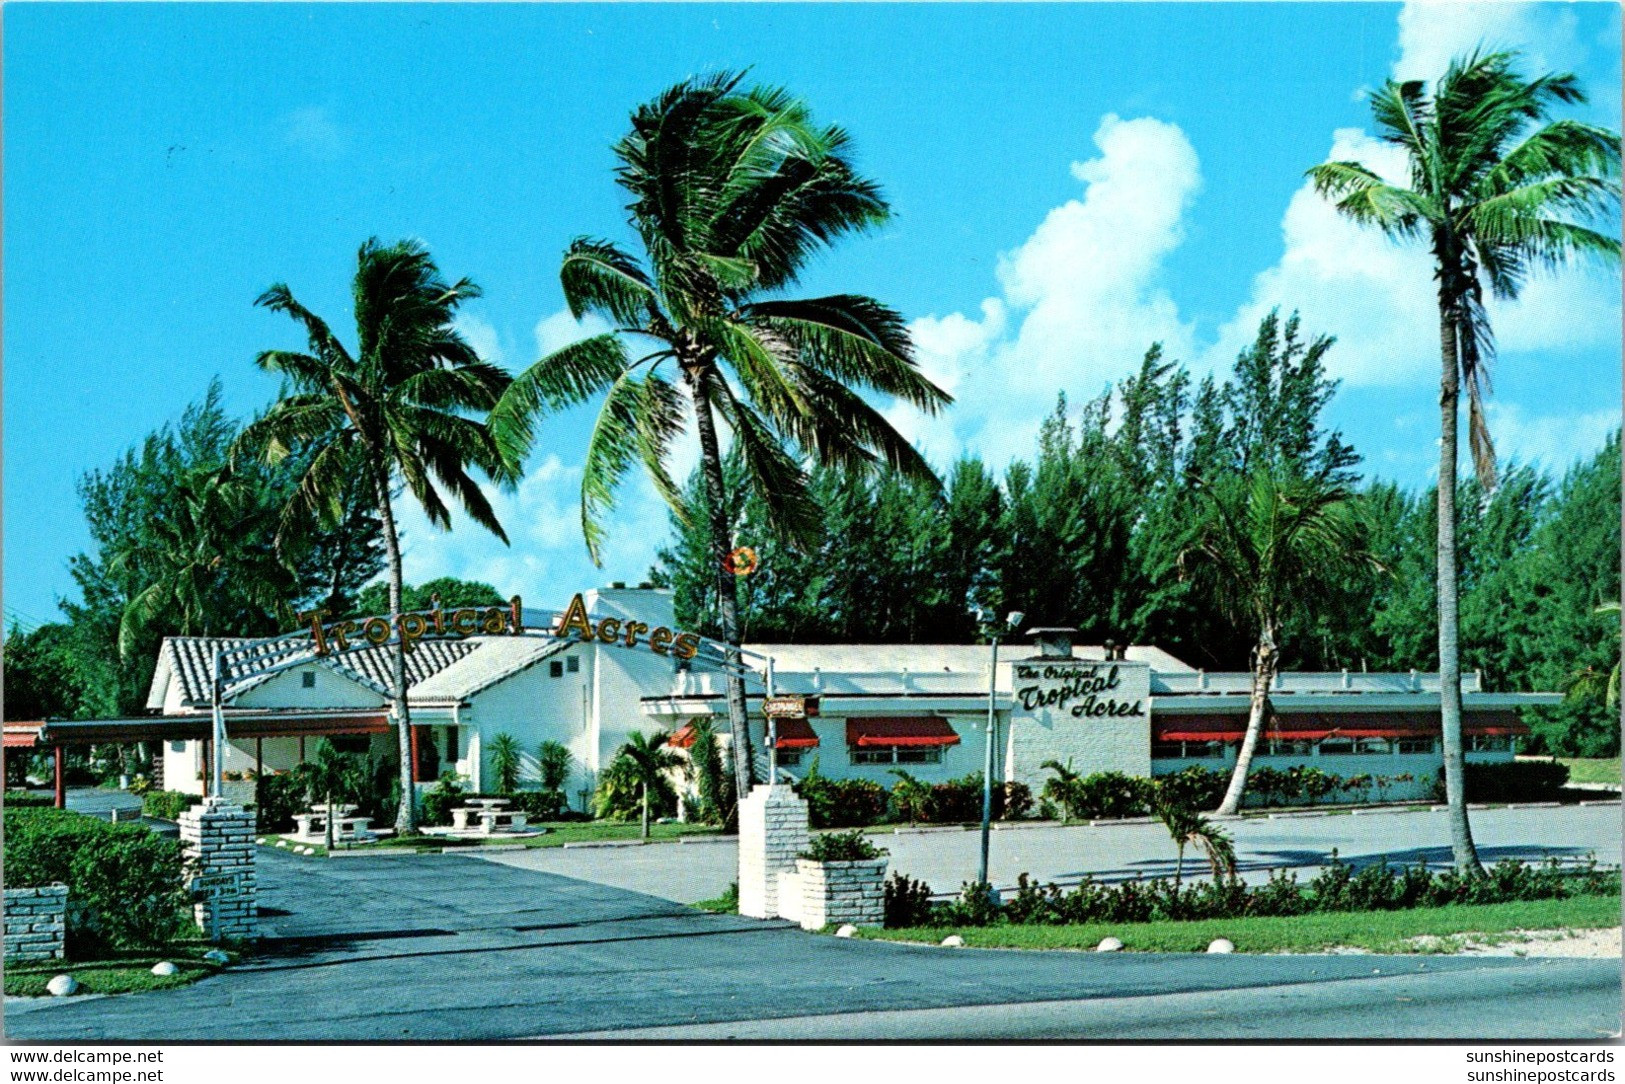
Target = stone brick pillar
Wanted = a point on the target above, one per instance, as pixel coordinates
(772, 828)
(219, 842)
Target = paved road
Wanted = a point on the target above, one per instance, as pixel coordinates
(451, 947)
(945, 859)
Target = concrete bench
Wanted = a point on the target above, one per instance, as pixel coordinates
(489, 820)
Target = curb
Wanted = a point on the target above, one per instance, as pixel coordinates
(601, 843)
(694, 840)
(920, 830)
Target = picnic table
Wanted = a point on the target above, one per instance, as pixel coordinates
(491, 813)
(313, 825)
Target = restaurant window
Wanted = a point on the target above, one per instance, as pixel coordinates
(789, 758)
(452, 738)
(572, 664)
(555, 669)
(1372, 746)
(897, 754)
(1188, 750)
(1488, 743)
(1338, 747)
(308, 679)
(1167, 750)
(1289, 747)
(1415, 745)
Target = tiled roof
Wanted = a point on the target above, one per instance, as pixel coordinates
(190, 661)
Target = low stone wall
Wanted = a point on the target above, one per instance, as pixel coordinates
(35, 922)
(838, 893)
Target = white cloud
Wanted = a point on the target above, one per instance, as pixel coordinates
(1431, 35)
(483, 337)
(1551, 441)
(1080, 300)
(561, 329)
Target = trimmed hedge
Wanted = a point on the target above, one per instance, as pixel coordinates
(167, 805)
(24, 799)
(124, 882)
(1516, 781)
(1337, 887)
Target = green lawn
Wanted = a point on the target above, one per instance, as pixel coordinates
(1592, 769)
(119, 973)
(1379, 931)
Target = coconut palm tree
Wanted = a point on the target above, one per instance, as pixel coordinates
(1189, 828)
(1495, 190)
(732, 192)
(1593, 686)
(393, 412)
(645, 763)
(1267, 544)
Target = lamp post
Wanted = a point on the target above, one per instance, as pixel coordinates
(1011, 622)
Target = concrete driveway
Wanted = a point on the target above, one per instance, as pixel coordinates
(450, 947)
(945, 859)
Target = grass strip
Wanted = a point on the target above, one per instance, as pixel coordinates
(118, 973)
(1592, 769)
(1375, 931)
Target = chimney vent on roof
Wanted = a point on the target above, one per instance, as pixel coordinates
(1054, 643)
(618, 585)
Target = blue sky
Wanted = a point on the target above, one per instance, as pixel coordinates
(1070, 183)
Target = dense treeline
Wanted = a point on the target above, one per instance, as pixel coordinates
(1088, 533)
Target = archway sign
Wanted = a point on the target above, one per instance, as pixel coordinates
(254, 661)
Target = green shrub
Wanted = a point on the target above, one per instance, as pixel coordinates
(438, 803)
(1018, 801)
(842, 803)
(505, 762)
(851, 846)
(1194, 787)
(974, 907)
(124, 881)
(1112, 795)
(276, 799)
(1516, 781)
(908, 902)
(22, 799)
(167, 805)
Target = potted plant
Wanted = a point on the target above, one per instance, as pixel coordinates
(842, 877)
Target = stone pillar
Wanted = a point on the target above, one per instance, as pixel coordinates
(772, 829)
(218, 839)
(35, 921)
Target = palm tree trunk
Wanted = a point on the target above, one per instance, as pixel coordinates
(1179, 864)
(645, 810)
(406, 818)
(727, 589)
(1266, 661)
(329, 821)
(1455, 766)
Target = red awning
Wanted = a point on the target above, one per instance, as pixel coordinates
(797, 734)
(21, 735)
(1318, 725)
(905, 730)
(259, 724)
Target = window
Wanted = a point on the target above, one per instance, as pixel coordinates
(308, 679)
(1372, 746)
(1289, 747)
(1337, 747)
(1414, 745)
(893, 754)
(555, 669)
(1488, 743)
(1188, 750)
(451, 743)
(789, 758)
(573, 664)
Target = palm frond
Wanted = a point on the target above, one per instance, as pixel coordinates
(569, 375)
(598, 276)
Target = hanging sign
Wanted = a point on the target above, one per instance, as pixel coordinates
(788, 707)
(1082, 688)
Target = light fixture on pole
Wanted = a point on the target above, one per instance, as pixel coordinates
(1010, 623)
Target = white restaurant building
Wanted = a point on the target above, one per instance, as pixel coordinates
(871, 708)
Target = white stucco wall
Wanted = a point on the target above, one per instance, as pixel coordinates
(534, 707)
(1093, 744)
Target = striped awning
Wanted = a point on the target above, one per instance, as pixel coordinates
(21, 735)
(902, 730)
(1318, 725)
(259, 724)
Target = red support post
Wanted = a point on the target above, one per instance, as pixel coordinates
(61, 780)
(413, 745)
(259, 757)
(301, 748)
(208, 749)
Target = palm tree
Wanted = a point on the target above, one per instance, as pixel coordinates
(1496, 191)
(1593, 686)
(1062, 787)
(1190, 828)
(333, 777)
(1269, 543)
(505, 762)
(912, 795)
(732, 192)
(393, 412)
(213, 538)
(646, 763)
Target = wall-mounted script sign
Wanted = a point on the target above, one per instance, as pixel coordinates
(1083, 689)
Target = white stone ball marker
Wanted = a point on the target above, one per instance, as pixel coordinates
(62, 985)
(953, 940)
(846, 931)
(1109, 944)
(164, 967)
(1221, 946)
